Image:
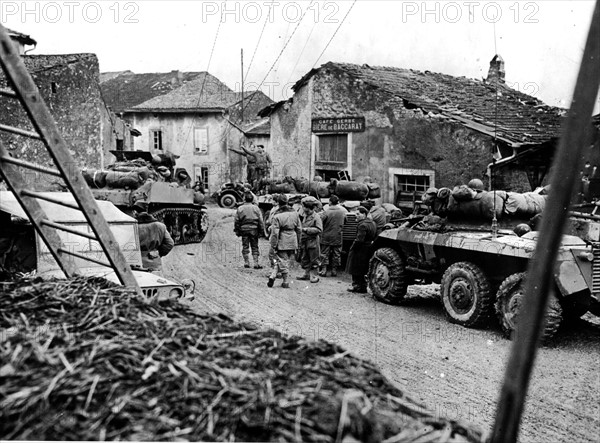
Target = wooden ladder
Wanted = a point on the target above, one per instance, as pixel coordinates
(26, 92)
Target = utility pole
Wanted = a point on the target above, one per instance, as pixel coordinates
(242, 53)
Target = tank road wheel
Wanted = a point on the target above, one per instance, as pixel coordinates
(386, 276)
(508, 303)
(227, 201)
(466, 295)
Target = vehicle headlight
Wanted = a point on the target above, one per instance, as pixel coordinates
(589, 256)
(176, 293)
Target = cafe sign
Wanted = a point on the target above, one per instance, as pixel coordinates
(344, 124)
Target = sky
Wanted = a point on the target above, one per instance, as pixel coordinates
(541, 42)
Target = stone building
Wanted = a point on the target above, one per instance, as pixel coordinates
(409, 130)
(69, 84)
(199, 123)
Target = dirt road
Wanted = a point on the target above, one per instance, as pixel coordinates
(454, 371)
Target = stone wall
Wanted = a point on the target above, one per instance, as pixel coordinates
(69, 86)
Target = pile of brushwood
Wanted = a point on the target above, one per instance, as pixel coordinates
(82, 359)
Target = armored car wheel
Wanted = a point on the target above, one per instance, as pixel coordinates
(387, 276)
(508, 304)
(227, 201)
(466, 295)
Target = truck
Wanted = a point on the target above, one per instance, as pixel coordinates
(23, 251)
(481, 269)
(170, 200)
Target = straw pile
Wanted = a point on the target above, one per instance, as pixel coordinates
(85, 360)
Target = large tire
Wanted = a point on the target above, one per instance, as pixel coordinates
(466, 295)
(387, 278)
(227, 201)
(508, 303)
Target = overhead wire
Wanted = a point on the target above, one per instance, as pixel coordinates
(258, 42)
(333, 36)
(280, 53)
(205, 76)
(301, 53)
(310, 151)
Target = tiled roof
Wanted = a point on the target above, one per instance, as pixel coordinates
(515, 117)
(260, 127)
(254, 101)
(215, 95)
(122, 91)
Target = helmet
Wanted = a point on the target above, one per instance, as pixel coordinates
(476, 184)
(522, 229)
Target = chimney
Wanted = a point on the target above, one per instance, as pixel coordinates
(177, 78)
(496, 72)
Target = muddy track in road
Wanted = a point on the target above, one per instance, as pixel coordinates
(454, 371)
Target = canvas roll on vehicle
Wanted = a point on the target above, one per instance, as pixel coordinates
(169, 200)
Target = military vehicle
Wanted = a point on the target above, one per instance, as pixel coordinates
(135, 178)
(22, 250)
(481, 270)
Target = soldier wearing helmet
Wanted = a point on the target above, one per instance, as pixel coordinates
(476, 185)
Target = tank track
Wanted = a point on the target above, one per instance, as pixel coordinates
(186, 225)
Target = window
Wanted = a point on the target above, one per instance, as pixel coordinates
(156, 139)
(201, 176)
(410, 183)
(201, 140)
(333, 148)
(54, 87)
(407, 186)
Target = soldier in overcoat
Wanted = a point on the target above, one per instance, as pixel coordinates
(358, 258)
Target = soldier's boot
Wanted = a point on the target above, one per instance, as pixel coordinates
(272, 276)
(256, 263)
(246, 261)
(323, 271)
(306, 275)
(314, 277)
(285, 283)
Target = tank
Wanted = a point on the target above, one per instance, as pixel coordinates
(152, 180)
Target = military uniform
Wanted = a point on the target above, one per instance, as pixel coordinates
(285, 231)
(358, 258)
(248, 223)
(310, 248)
(331, 240)
(155, 241)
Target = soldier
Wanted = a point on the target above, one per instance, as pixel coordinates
(285, 234)
(263, 163)
(358, 258)
(251, 158)
(155, 240)
(331, 241)
(310, 250)
(248, 223)
(378, 214)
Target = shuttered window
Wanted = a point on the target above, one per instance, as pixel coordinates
(333, 148)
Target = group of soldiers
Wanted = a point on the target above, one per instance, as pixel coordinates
(259, 163)
(313, 239)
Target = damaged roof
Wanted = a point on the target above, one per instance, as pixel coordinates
(515, 117)
(124, 90)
